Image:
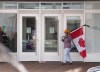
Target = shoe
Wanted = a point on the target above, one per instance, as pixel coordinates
(63, 63)
(70, 63)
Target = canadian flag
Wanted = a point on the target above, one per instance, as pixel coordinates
(78, 39)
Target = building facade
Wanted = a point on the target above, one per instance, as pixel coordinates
(34, 29)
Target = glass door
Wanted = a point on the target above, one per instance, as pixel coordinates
(28, 37)
(72, 22)
(50, 37)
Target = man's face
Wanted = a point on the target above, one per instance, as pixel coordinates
(66, 34)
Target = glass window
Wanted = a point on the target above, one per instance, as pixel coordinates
(29, 34)
(73, 22)
(93, 33)
(51, 5)
(73, 5)
(8, 23)
(28, 5)
(10, 5)
(1, 5)
(92, 5)
(51, 34)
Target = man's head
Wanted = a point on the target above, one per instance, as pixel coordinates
(67, 31)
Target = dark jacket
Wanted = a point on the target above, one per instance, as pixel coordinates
(4, 39)
(1, 36)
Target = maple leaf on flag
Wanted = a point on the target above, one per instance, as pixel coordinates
(81, 42)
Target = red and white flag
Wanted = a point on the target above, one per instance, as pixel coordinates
(79, 41)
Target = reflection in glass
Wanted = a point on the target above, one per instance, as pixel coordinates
(28, 5)
(92, 35)
(1, 5)
(51, 5)
(10, 5)
(29, 34)
(51, 33)
(71, 5)
(92, 5)
(8, 23)
(73, 22)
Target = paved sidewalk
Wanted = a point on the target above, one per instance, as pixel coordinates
(50, 67)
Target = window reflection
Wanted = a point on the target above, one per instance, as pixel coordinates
(10, 5)
(92, 35)
(1, 5)
(28, 5)
(29, 34)
(51, 32)
(71, 5)
(9, 27)
(92, 5)
(51, 5)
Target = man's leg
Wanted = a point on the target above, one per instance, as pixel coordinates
(65, 55)
(68, 55)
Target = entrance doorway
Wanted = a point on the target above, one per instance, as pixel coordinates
(40, 36)
(28, 41)
(50, 37)
(39, 42)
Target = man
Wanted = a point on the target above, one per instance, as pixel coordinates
(67, 46)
